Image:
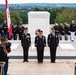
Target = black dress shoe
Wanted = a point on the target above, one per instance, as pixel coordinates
(24, 61)
(72, 40)
(27, 61)
(52, 61)
(41, 61)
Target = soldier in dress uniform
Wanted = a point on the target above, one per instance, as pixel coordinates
(72, 29)
(40, 43)
(60, 28)
(53, 42)
(5, 29)
(21, 29)
(1, 30)
(62, 31)
(14, 29)
(56, 27)
(25, 42)
(67, 31)
(75, 32)
(17, 31)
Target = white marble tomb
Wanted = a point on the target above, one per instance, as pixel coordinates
(38, 20)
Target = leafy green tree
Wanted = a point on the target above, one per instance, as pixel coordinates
(2, 17)
(66, 16)
(15, 18)
(24, 16)
(37, 9)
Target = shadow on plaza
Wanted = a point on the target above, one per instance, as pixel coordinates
(45, 57)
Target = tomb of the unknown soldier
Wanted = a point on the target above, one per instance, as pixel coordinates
(38, 20)
(38, 39)
(65, 56)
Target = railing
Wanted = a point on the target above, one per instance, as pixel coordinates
(2, 68)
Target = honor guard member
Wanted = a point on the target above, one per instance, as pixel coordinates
(25, 42)
(21, 29)
(53, 42)
(62, 31)
(4, 50)
(56, 27)
(14, 32)
(1, 30)
(72, 29)
(75, 35)
(60, 28)
(75, 32)
(40, 43)
(67, 31)
(17, 32)
(5, 29)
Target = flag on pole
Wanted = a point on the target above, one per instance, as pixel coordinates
(8, 20)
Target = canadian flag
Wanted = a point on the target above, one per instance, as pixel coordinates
(8, 20)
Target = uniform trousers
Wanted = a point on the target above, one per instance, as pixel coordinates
(25, 53)
(14, 36)
(72, 35)
(40, 54)
(53, 54)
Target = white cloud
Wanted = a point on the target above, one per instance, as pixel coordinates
(38, 1)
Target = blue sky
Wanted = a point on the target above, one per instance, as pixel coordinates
(37, 1)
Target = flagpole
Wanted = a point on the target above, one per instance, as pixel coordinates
(8, 20)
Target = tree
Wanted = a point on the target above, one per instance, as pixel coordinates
(37, 9)
(66, 16)
(2, 17)
(24, 16)
(15, 18)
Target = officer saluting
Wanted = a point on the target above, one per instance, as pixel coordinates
(40, 43)
(53, 42)
(25, 42)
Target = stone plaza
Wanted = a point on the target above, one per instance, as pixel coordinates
(66, 52)
(65, 62)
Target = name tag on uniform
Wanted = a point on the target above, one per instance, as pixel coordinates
(28, 36)
(23, 36)
(56, 36)
(37, 38)
(50, 36)
(43, 38)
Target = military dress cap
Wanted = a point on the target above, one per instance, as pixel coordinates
(56, 23)
(20, 22)
(73, 21)
(61, 23)
(65, 23)
(4, 21)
